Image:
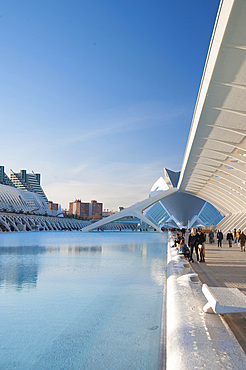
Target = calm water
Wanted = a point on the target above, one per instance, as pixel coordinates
(70, 300)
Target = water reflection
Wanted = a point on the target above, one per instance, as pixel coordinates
(20, 266)
(87, 250)
(23, 250)
(69, 300)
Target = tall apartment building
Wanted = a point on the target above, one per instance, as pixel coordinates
(53, 206)
(78, 208)
(4, 179)
(28, 181)
(85, 210)
(95, 209)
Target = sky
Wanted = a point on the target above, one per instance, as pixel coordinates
(98, 95)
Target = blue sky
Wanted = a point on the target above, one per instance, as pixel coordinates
(98, 95)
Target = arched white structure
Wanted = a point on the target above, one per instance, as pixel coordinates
(21, 201)
(214, 165)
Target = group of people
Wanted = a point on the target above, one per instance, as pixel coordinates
(237, 237)
(197, 239)
(196, 242)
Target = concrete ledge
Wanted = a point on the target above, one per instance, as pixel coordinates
(195, 340)
(224, 300)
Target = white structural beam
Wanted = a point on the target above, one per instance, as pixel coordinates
(134, 211)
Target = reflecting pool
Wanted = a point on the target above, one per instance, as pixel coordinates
(72, 300)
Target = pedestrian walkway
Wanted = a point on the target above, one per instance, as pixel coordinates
(226, 267)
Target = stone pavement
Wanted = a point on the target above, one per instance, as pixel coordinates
(225, 267)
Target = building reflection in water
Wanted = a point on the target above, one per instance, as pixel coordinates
(19, 266)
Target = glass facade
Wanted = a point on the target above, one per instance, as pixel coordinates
(158, 214)
(208, 215)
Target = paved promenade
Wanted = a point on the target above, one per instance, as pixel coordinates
(226, 267)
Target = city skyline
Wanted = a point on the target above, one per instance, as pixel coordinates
(98, 98)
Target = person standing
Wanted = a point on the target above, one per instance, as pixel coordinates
(219, 238)
(241, 240)
(211, 236)
(201, 245)
(229, 237)
(192, 243)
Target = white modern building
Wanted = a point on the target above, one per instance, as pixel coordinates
(21, 201)
(28, 181)
(180, 209)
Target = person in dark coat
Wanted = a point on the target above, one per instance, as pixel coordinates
(192, 243)
(211, 236)
(229, 237)
(241, 240)
(219, 238)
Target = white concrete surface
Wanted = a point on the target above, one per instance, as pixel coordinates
(196, 340)
(224, 300)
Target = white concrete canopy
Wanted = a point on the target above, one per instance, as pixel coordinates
(214, 166)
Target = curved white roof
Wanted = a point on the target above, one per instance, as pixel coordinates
(159, 185)
(214, 166)
(16, 200)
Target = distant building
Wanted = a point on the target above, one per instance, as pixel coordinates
(4, 179)
(85, 210)
(65, 212)
(28, 181)
(78, 208)
(74, 208)
(107, 212)
(95, 209)
(53, 206)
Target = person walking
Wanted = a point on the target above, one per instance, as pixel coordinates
(192, 243)
(229, 237)
(241, 240)
(237, 236)
(219, 238)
